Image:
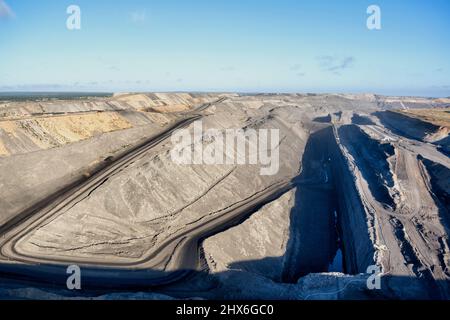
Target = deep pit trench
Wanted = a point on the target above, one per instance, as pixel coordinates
(313, 241)
(329, 228)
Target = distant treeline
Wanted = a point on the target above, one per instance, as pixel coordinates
(24, 96)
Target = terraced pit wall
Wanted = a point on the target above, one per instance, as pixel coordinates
(356, 243)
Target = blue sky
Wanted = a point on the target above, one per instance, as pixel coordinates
(226, 45)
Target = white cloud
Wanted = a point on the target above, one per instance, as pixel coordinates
(334, 64)
(5, 10)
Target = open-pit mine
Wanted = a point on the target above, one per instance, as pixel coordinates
(359, 207)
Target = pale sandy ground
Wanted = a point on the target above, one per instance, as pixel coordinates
(3, 151)
(51, 132)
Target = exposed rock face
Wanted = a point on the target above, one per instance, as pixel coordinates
(45, 171)
(330, 286)
(153, 198)
(257, 245)
(32, 126)
(164, 102)
(351, 176)
(23, 136)
(323, 286)
(423, 125)
(51, 143)
(405, 219)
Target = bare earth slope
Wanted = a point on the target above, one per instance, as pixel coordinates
(92, 182)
